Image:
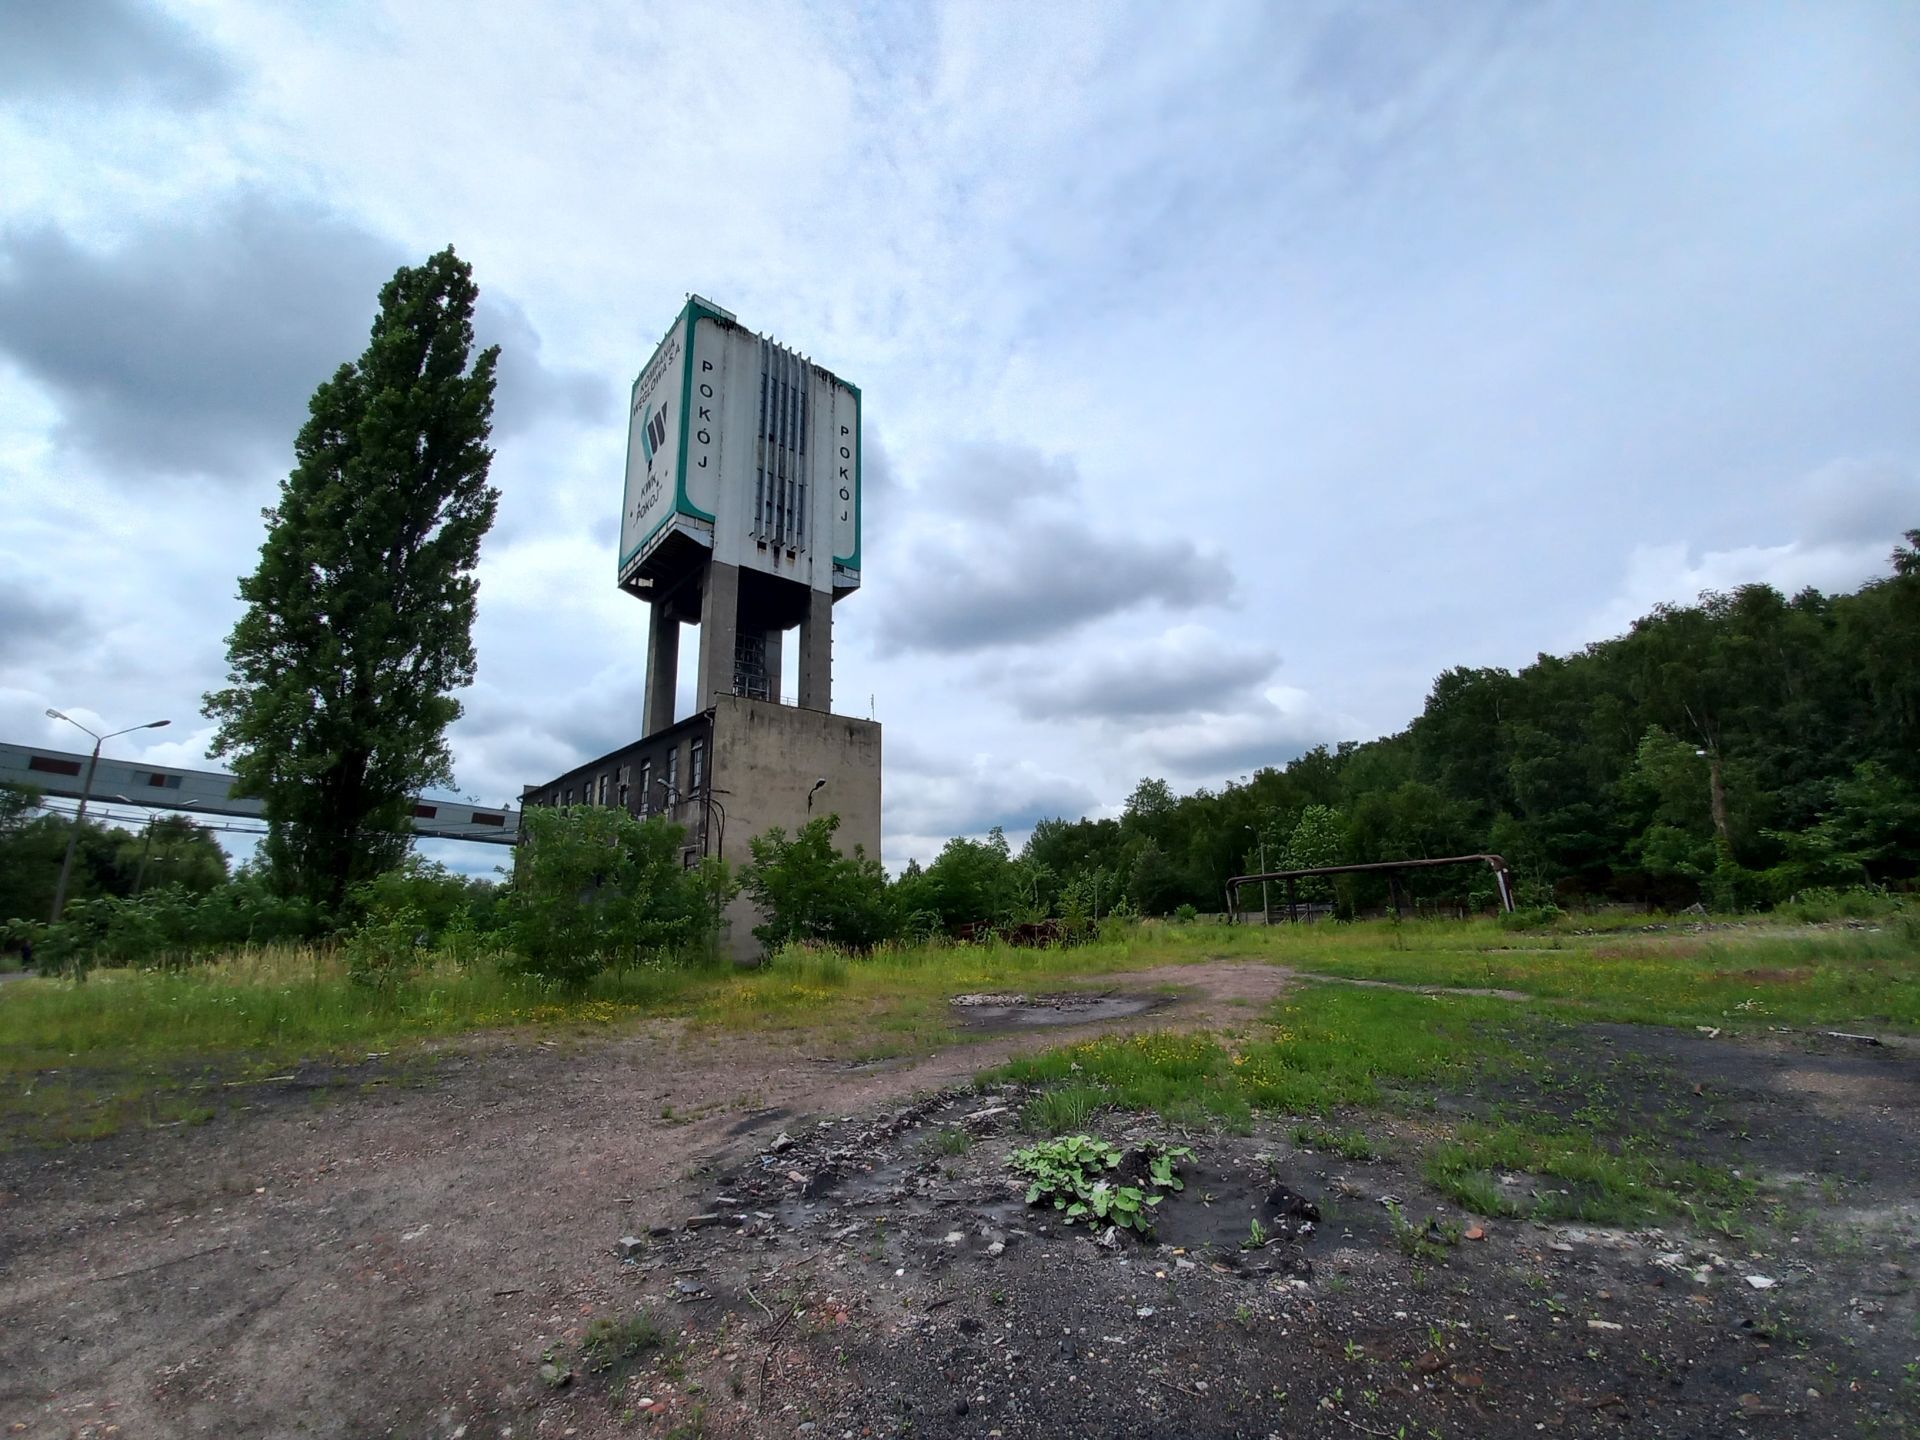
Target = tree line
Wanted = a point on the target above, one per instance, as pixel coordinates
(1731, 752)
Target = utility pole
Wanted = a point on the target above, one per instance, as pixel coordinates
(86, 789)
(146, 846)
(1266, 902)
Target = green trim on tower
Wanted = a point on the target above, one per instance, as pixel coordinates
(620, 570)
(695, 312)
(853, 562)
(691, 312)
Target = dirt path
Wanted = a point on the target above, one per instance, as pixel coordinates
(389, 1261)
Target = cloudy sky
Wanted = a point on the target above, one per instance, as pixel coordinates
(1229, 369)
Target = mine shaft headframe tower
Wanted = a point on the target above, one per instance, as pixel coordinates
(742, 510)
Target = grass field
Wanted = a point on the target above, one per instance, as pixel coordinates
(1787, 974)
(130, 1047)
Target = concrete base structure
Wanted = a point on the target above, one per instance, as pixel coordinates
(765, 760)
(736, 770)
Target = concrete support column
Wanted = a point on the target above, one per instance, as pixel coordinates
(816, 653)
(775, 643)
(663, 666)
(719, 622)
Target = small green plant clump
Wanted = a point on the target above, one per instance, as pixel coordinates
(1348, 1144)
(613, 1342)
(952, 1140)
(1427, 1239)
(1074, 1173)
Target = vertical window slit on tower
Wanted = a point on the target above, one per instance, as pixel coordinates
(760, 455)
(780, 487)
(800, 464)
(780, 449)
(786, 449)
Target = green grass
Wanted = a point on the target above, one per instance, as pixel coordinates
(1327, 1047)
(1627, 1181)
(288, 1002)
(1061, 1109)
(895, 1001)
(1595, 1143)
(950, 1141)
(612, 1343)
(1348, 1144)
(1764, 975)
(82, 1061)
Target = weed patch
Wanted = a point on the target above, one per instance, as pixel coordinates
(1348, 1144)
(1326, 1049)
(1085, 1178)
(953, 1140)
(1619, 1184)
(613, 1343)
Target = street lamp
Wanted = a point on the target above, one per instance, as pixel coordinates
(86, 787)
(818, 786)
(707, 800)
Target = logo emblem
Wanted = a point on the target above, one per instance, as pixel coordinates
(654, 434)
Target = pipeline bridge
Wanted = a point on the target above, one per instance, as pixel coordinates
(61, 773)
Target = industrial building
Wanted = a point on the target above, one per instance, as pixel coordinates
(742, 516)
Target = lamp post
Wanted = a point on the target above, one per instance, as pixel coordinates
(818, 786)
(1266, 905)
(86, 788)
(707, 801)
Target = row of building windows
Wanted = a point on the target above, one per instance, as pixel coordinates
(616, 787)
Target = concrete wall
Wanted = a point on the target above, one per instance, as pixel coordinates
(765, 760)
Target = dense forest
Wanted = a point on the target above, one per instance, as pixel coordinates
(1734, 751)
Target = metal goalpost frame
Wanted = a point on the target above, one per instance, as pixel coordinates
(1502, 879)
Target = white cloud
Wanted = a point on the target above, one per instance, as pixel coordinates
(1283, 724)
(1850, 514)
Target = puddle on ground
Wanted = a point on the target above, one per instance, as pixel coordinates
(1022, 1012)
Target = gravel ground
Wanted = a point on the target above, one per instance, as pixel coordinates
(435, 1250)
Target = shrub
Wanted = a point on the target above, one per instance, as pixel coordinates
(1186, 914)
(1907, 926)
(437, 897)
(808, 891)
(381, 953)
(1855, 902)
(594, 888)
(1535, 917)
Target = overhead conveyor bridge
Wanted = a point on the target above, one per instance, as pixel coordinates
(61, 773)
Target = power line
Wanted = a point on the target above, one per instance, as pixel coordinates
(225, 826)
(95, 808)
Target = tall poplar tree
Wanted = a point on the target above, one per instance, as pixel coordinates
(359, 617)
